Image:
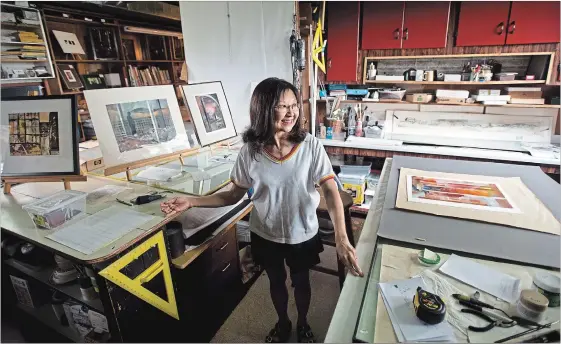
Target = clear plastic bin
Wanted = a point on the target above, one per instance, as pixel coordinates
(55, 210)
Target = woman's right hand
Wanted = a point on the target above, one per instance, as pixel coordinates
(176, 205)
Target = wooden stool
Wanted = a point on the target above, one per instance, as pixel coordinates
(330, 239)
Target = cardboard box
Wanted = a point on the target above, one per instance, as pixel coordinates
(524, 92)
(494, 92)
(537, 101)
(452, 94)
(419, 97)
(451, 100)
(452, 77)
(94, 164)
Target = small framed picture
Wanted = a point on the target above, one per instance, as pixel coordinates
(69, 76)
(93, 81)
(104, 43)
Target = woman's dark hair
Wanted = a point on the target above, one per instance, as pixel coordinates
(262, 115)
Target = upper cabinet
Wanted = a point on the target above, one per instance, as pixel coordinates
(533, 22)
(342, 40)
(405, 25)
(489, 23)
(382, 24)
(482, 23)
(425, 24)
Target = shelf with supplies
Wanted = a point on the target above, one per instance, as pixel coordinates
(553, 106)
(24, 52)
(90, 61)
(464, 69)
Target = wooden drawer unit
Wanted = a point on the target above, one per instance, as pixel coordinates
(223, 250)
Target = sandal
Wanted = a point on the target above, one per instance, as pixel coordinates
(305, 334)
(278, 334)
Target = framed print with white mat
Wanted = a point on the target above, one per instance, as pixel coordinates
(210, 111)
(39, 136)
(500, 200)
(136, 123)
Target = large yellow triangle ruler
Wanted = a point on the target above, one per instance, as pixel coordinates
(134, 286)
(318, 47)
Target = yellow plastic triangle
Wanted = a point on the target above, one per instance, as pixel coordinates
(134, 286)
(318, 47)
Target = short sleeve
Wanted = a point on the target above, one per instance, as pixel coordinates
(240, 172)
(322, 169)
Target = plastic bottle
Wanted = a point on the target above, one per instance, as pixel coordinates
(351, 125)
(358, 130)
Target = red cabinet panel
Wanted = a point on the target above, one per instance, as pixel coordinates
(342, 40)
(382, 23)
(425, 24)
(533, 22)
(482, 23)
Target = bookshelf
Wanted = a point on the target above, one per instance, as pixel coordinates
(25, 55)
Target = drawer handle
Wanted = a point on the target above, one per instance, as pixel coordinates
(223, 246)
(512, 27)
(500, 28)
(396, 34)
(405, 34)
(227, 266)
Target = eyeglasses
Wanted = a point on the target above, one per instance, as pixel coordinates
(284, 108)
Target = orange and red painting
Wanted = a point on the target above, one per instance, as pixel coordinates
(457, 193)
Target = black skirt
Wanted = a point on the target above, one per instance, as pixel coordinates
(298, 256)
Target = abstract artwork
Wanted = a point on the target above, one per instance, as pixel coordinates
(458, 193)
(41, 136)
(34, 134)
(212, 116)
(139, 123)
(209, 111)
(68, 42)
(136, 123)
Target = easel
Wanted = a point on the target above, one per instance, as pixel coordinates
(128, 167)
(66, 179)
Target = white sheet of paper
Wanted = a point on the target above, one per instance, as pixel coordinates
(195, 219)
(103, 193)
(89, 144)
(100, 229)
(398, 297)
(161, 174)
(482, 277)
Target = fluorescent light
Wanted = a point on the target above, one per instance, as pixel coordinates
(135, 29)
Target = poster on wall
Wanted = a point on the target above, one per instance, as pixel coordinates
(210, 112)
(136, 123)
(40, 136)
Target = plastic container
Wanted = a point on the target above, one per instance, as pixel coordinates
(372, 132)
(549, 286)
(55, 210)
(353, 178)
(532, 305)
(392, 94)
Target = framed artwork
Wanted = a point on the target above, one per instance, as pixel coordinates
(93, 81)
(131, 47)
(135, 123)
(500, 200)
(156, 47)
(104, 43)
(70, 76)
(41, 137)
(68, 42)
(210, 111)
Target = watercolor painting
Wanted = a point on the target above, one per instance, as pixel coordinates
(211, 112)
(459, 193)
(33, 134)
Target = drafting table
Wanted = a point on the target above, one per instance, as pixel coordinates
(360, 314)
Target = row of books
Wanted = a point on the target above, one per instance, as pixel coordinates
(148, 76)
(26, 52)
(29, 37)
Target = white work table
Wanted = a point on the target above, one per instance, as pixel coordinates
(466, 152)
(360, 314)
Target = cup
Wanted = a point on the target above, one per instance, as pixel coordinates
(428, 75)
(420, 74)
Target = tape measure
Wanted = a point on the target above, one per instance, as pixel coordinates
(429, 307)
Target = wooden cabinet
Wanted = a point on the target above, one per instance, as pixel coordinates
(482, 23)
(382, 24)
(533, 22)
(489, 23)
(425, 24)
(407, 25)
(342, 40)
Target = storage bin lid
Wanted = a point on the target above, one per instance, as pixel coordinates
(53, 202)
(355, 171)
(547, 281)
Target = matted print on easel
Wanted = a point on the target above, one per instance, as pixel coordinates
(210, 111)
(40, 136)
(136, 123)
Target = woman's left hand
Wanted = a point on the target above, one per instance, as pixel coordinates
(347, 254)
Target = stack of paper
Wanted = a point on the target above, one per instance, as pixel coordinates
(161, 174)
(398, 298)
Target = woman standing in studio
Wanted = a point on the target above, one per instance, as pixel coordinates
(283, 165)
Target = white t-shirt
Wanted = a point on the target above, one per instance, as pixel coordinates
(285, 197)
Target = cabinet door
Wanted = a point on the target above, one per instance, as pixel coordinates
(382, 24)
(482, 23)
(425, 24)
(533, 22)
(342, 40)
